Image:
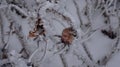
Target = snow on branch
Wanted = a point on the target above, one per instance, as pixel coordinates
(45, 6)
(54, 8)
(3, 6)
(14, 6)
(19, 9)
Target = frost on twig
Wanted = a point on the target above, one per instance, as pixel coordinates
(16, 59)
(19, 10)
(78, 12)
(21, 38)
(40, 50)
(87, 51)
(63, 60)
(5, 62)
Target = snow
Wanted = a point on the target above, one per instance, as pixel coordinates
(52, 62)
(114, 22)
(14, 44)
(87, 49)
(114, 61)
(99, 41)
(98, 22)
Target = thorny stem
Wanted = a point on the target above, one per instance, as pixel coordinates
(88, 13)
(63, 16)
(87, 51)
(60, 50)
(63, 60)
(2, 31)
(21, 39)
(33, 54)
(9, 35)
(78, 12)
(44, 51)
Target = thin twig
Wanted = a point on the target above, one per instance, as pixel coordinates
(78, 12)
(63, 60)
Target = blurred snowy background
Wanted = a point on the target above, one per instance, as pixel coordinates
(59, 33)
